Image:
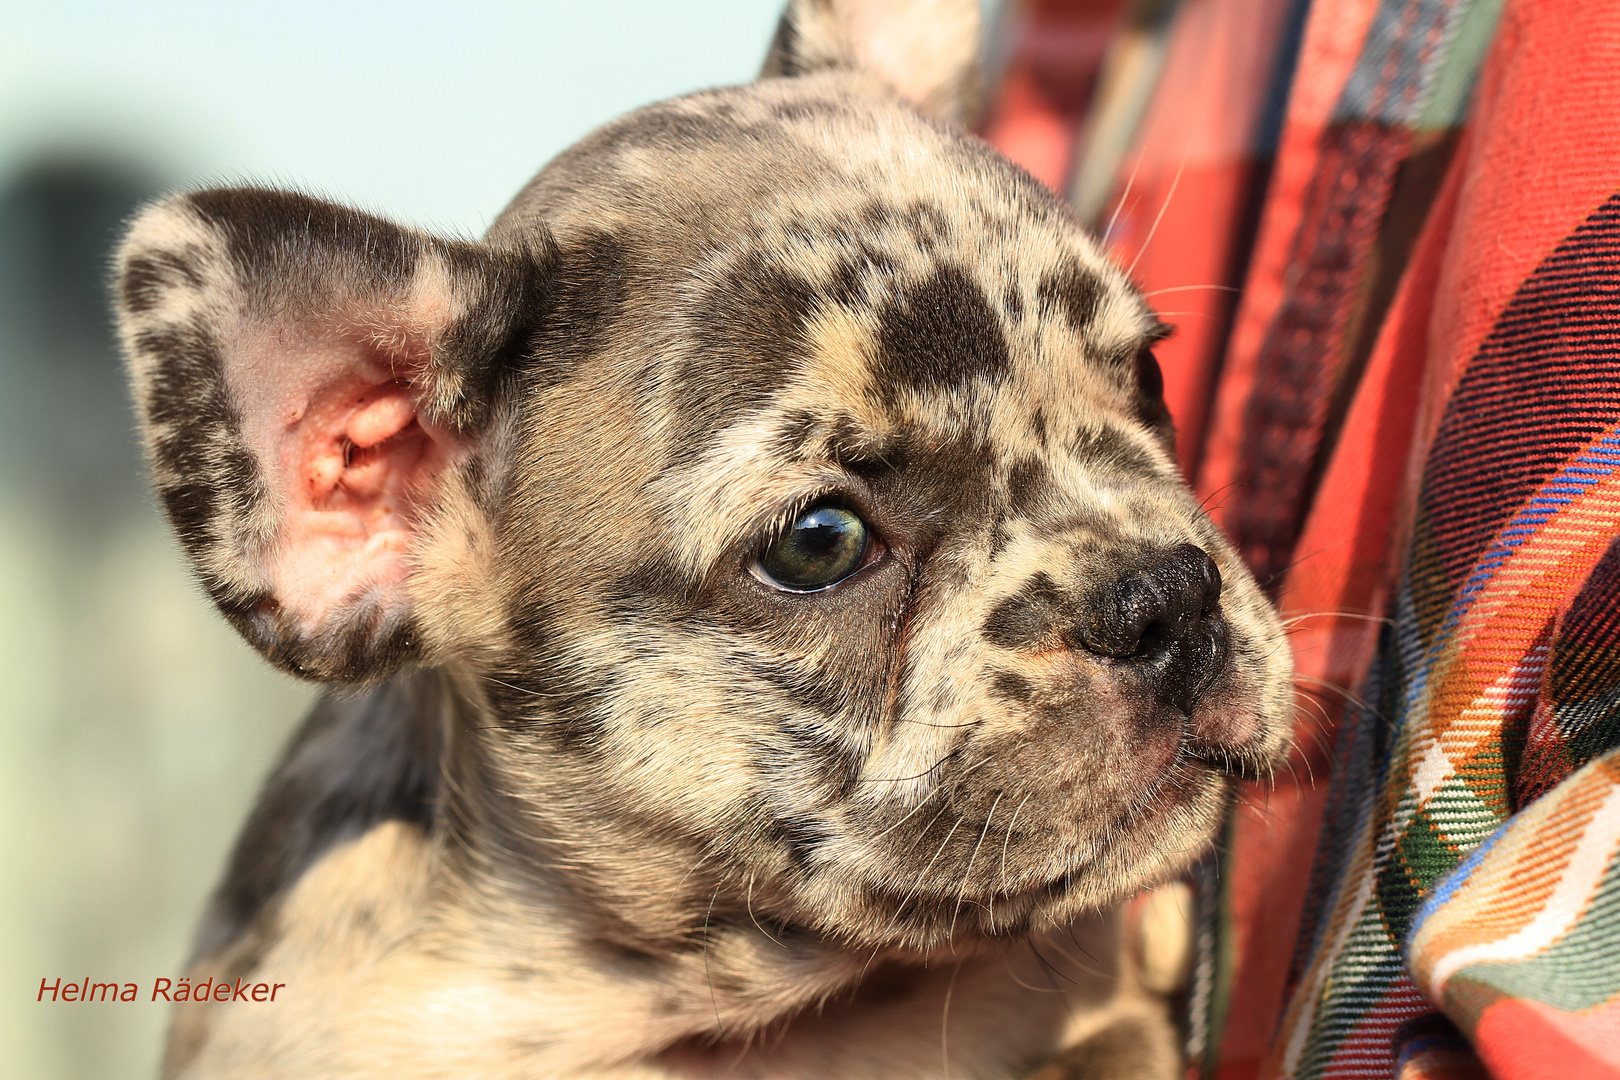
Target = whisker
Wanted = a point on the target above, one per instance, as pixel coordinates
(916, 776)
(925, 723)
(1293, 620)
(961, 897)
(1319, 684)
(1293, 772)
(522, 689)
(1004, 845)
(924, 830)
(1033, 989)
(1320, 737)
(701, 860)
(868, 965)
(1266, 584)
(1221, 492)
(1084, 968)
(1191, 288)
(1130, 182)
(707, 974)
(924, 802)
(1050, 969)
(945, 1022)
(1186, 314)
(1158, 218)
(748, 903)
(916, 886)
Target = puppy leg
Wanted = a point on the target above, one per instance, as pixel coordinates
(1136, 1046)
(1140, 1040)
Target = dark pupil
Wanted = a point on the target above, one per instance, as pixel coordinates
(823, 547)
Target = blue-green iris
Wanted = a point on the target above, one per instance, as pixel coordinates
(823, 546)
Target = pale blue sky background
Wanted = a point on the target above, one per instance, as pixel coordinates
(435, 113)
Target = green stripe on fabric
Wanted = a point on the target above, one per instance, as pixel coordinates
(1581, 970)
(1592, 726)
(1361, 976)
(1453, 86)
(1422, 855)
(1470, 806)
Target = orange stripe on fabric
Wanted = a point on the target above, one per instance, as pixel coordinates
(1501, 625)
(1514, 881)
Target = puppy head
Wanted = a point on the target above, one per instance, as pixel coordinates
(786, 477)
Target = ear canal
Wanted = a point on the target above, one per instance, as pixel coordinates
(926, 50)
(310, 380)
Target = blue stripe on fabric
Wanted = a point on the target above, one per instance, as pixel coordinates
(1576, 477)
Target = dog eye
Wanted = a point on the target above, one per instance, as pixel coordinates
(823, 546)
(1149, 386)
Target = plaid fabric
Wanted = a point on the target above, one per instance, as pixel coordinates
(1509, 585)
(1190, 173)
(1495, 679)
(1518, 943)
(1424, 376)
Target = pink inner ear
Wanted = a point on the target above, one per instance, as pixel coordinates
(357, 463)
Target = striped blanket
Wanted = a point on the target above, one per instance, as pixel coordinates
(1409, 420)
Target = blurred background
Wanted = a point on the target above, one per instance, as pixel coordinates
(134, 726)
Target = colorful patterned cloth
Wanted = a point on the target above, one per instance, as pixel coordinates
(1517, 943)
(1411, 425)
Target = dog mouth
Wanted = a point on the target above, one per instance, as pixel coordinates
(1099, 786)
(1009, 874)
(1194, 682)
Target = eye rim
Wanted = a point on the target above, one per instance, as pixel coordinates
(872, 549)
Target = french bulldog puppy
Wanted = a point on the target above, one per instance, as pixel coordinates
(767, 633)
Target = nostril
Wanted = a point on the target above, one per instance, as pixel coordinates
(1190, 582)
(1211, 584)
(1122, 616)
(1155, 607)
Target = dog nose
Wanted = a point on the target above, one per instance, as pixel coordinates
(1164, 616)
(1155, 607)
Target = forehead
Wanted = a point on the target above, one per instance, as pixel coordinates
(802, 250)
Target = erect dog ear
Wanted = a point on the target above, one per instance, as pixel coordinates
(927, 50)
(308, 377)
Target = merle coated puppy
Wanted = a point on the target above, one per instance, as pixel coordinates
(768, 635)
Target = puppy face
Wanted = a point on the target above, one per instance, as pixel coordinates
(785, 485)
(849, 561)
